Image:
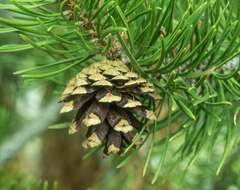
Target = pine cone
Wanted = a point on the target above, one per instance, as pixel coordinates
(108, 97)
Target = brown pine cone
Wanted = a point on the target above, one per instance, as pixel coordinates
(108, 97)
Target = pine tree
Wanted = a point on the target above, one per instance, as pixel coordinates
(186, 51)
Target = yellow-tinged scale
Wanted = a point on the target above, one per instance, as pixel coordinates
(90, 71)
(111, 72)
(135, 82)
(91, 119)
(109, 97)
(120, 77)
(81, 82)
(80, 90)
(123, 126)
(105, 67)
(68, 106)
(72, 128)
(141, 80)
(122, 69)
(150, 115)
(96, 65)
(132, 104)
(71, 82)
(115, 63)
(81, 76)
(146, 89)
(97, 77)
(92, 141)
(102, 83)
(68, 90)
(131, 75)
(112, 149)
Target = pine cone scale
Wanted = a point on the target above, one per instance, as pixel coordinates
(96, 114)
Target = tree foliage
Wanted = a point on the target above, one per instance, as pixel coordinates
(189, 50)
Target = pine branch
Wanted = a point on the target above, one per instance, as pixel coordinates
(183, 47)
